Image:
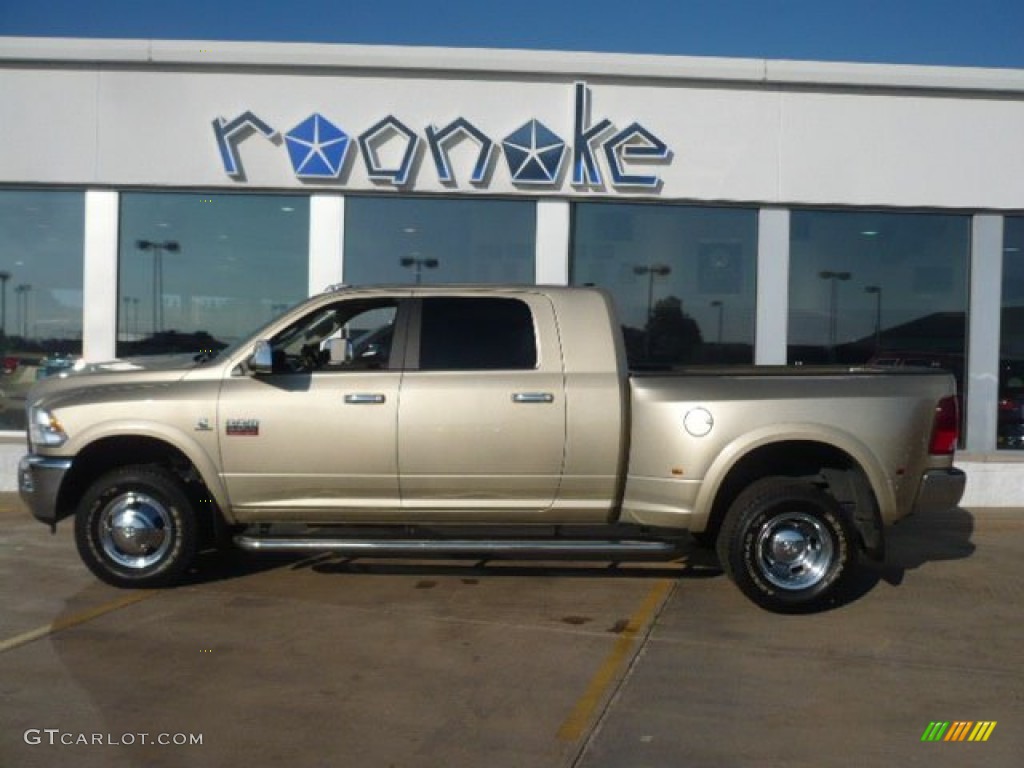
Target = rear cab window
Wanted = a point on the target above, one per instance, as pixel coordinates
(476, 334)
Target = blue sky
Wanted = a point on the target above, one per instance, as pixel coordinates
(986, 33)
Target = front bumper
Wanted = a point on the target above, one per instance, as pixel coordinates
(940, 491)
(39, 480)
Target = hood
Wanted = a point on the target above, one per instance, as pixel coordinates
(179, 361)
(111, 379)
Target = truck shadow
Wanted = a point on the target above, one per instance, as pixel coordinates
(683, 567)
(911, 544)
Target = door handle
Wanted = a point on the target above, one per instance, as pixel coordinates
(364, 398)
(533, 397)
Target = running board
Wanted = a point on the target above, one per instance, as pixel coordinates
(405, 547)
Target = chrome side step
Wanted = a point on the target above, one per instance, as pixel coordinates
(368, 547)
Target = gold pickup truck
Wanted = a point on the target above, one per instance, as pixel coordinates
(494, 420)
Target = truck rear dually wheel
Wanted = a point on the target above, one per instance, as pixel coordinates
(787, 545)
(135, 527)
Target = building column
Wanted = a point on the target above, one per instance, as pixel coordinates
(553, 232)
(983, 332)
(326, 241)
(772, 313)
(99, 275)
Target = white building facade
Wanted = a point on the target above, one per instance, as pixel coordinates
(168, 195)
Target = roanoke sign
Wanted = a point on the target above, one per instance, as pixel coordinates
(535, 156)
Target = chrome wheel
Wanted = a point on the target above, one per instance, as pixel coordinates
(135, 530)
(788, 545)
(135, 527)
(794, 551)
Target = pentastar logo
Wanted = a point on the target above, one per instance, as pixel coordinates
(535, 156)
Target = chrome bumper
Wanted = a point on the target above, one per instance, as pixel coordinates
(39, 479)
(940, 491)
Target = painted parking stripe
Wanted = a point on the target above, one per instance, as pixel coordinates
(94, 613)
(73, 620)
(582, 714)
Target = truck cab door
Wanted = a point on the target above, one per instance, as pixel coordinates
(314, 437)
(481, 422)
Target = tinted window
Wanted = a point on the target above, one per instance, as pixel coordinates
(419, 240)
(198, 271)
(683, 277)
(41, 241)
(880, 287)
(476, 334)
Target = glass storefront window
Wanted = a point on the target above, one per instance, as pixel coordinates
(41, 247)
(199, 271)
(683, 277)
(878, 287)
(1010, 429)
(420, 240)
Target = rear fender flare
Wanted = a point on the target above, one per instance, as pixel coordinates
(776, 434)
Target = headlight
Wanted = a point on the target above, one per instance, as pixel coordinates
(45, 429)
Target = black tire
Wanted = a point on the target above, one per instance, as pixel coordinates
(135, 527)
(787, 545)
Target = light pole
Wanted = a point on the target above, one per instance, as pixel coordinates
(721, 310)
(4, 277)
(132, 331)
(833, 313)
(877, 291)
(22, 292)
(652, 271)
(419, 264)
(158, 249)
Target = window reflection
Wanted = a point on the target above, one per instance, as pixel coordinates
(1010, 420)
(683, 278)
(200, 271)
(41, 245)
(418, 240)
(887, 288)
(882, 288)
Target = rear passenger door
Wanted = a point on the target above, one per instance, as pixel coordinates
(481, 421)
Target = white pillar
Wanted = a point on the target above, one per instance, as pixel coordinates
(553, 225)
(983, 331)
(99, 283)
(772, 287)
(326, 241)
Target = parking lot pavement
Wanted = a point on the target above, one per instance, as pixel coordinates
(322, 661)
(938, 635)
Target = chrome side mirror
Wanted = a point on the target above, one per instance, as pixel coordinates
(339, 351)
(262, 360)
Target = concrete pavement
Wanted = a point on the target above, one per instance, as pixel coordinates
(324, 661)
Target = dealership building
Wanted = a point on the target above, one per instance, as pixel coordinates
(163, 196)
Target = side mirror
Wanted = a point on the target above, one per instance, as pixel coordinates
(262, 360)
(339, 351)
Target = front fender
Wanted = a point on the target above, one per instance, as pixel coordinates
(200, 452)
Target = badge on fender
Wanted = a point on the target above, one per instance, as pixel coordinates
(243, 427)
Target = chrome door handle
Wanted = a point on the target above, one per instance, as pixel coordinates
(533, 397)
(362, 398)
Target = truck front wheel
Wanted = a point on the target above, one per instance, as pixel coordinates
(135, 527)
(787, 545)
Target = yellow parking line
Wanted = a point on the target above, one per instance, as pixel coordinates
(73, 620)
(93, 613)
(576, 723)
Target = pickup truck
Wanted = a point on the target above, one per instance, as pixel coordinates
(496, 420)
